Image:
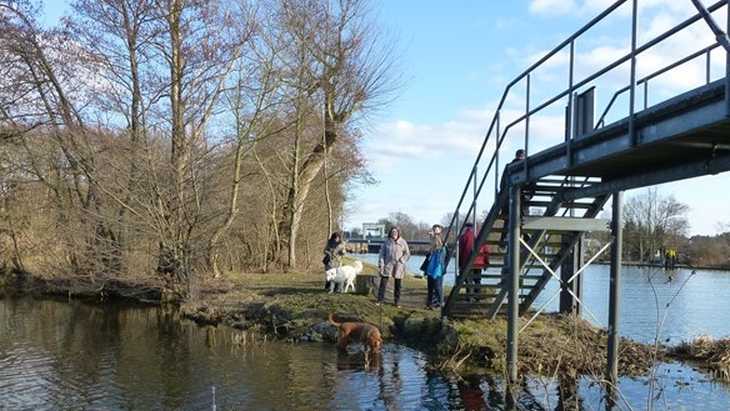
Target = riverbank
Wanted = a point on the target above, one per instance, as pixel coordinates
(294, 307)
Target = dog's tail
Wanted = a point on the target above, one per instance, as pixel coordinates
(332, 320)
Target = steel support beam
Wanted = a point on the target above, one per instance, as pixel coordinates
(571, 289)
(615, 288)
(680, 172)
(514, 282)
(566, 224)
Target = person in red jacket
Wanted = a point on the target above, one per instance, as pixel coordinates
(481, 261)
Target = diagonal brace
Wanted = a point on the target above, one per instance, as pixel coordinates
(720, 35)
(548, 269)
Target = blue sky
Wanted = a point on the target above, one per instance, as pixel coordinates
(456, 59)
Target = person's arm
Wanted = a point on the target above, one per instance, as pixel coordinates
(406, 253)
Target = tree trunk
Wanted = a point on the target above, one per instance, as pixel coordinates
(299, 192)
(327, 198)
(213, 256)
(174, 254)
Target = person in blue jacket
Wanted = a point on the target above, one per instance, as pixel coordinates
(435, 269)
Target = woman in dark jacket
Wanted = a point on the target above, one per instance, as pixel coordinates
(333, 253)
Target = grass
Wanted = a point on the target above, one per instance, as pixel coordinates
(300, 297)
(713, 354)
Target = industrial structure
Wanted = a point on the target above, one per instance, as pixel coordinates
(548, 201)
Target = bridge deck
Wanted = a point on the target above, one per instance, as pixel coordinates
(689, 129)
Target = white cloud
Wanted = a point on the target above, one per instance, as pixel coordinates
(552, 7)
(592, 7)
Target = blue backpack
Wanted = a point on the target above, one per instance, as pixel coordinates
(436, 262)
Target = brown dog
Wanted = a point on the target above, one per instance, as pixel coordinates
(367, 334)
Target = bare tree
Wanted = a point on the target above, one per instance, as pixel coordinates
(348, 70)
(253, 100)
(652, 222)
(172, 138)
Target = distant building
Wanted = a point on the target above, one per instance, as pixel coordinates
(373, 230)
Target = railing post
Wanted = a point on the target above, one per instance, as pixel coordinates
(615, 287)
(707, 67)
(727, 69)
(496, 162)
(456, 248)
(514, 284)
(632, 91)
(474, 206)
(527, 123)
(646, 94)
(569, 122)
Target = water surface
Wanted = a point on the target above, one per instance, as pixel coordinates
(70, 355)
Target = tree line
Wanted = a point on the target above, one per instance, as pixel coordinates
(182, 138)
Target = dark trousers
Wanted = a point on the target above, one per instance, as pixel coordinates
(435, 296)
(332, 286)
(384, 285)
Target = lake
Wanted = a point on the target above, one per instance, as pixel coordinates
(71, 355)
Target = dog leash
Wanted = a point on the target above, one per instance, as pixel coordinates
(380, 309)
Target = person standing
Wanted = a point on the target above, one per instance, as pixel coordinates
(394, 254)
(525, 198)
(481, 260)
(435, 269)
(333, 253)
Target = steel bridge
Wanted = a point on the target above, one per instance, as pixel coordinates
(549, 200)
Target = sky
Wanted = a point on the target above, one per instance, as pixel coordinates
(455, 60)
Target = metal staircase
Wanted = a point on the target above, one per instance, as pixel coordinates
(487, 298)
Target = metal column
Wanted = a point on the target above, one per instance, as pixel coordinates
(568, 303)
(514, 283)
(615, 287)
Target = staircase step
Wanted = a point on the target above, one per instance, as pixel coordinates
(475, 299)
(546, 188)
(467, 305)
(563, 205)
(530, 266)
(555, 244)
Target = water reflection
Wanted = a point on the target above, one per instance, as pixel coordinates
(68, 355)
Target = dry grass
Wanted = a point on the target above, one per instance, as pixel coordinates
(566, 344)
(710, 353)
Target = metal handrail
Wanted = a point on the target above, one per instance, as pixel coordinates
(517, 79)
(657, 73)
(631, 56)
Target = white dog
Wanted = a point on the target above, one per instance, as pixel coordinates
(344, 275)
